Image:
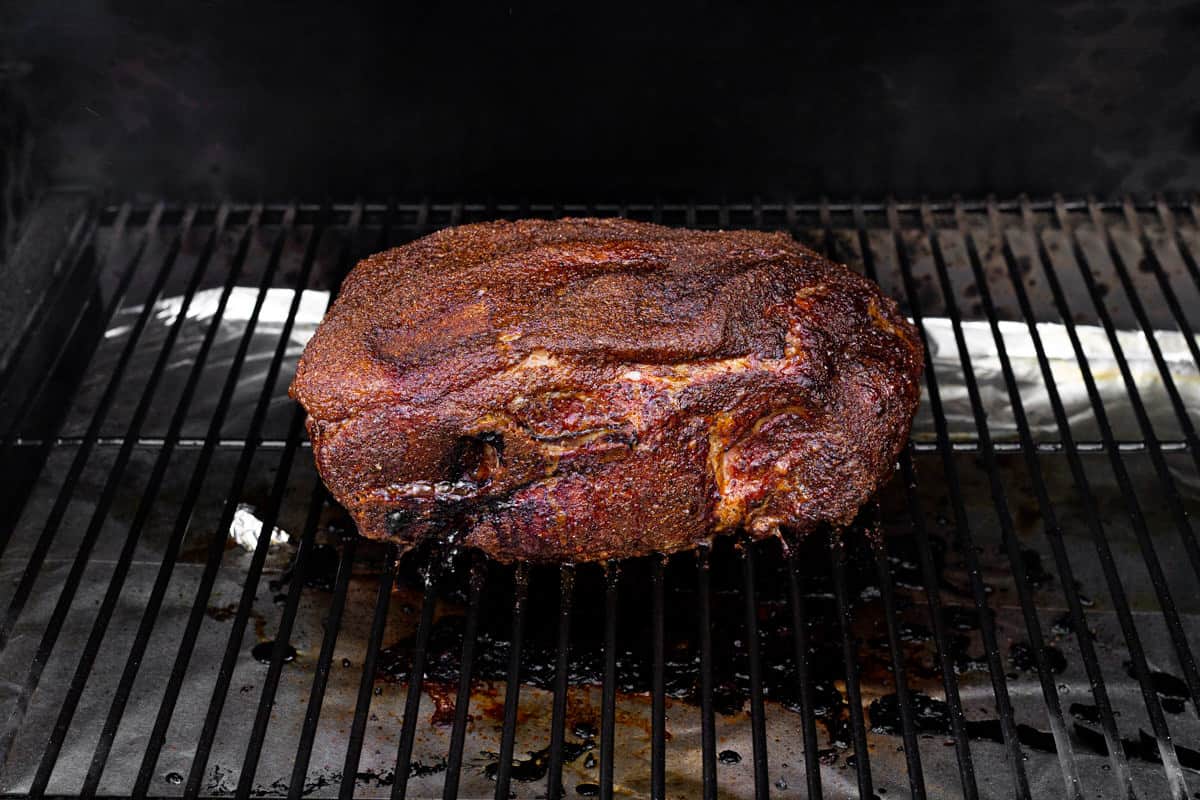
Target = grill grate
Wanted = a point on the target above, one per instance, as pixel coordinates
(925, 651)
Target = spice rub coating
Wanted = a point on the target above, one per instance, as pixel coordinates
(585, 389)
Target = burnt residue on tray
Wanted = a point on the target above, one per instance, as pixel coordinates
(1085, 712)
(319, 568)
(960, 621)
(729, 757)
(1171, 690)
(932, 716)
(536, 763)
(731, 679)
(1023, 658)
(263, 651)
(1035, 572)
(634, 662)
(1142, 748)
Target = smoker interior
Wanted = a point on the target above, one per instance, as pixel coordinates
(1016, 615)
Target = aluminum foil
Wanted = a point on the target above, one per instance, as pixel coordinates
(1069, 380)
(246, 529)
(947, 363)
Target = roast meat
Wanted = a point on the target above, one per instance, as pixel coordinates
(585, 389)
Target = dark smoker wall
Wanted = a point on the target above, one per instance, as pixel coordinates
(590, 101)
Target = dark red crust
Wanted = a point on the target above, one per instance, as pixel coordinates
(587, 389)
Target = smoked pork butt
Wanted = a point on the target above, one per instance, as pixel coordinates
(585, 389)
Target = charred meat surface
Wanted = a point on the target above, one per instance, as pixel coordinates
(585, 389)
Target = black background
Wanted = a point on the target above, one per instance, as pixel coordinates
(603, 102)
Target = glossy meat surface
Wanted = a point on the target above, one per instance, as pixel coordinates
(584, 389)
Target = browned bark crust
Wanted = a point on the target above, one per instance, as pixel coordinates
(586, 389)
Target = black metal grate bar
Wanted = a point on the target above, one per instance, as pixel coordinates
(72, 253)
(912, 756)
(316, 695)
(154, 602)
(107, 495)
(513, 686)
(1137, 517)
(366, 686)
(929, 576)
(1037, 642)
(233, 645)
(812, 770)
(212, 563)
(412, 699)
(295, 589)
(1191, 672)
(658, 722)
(124, 561)
(938, 564)
(906, 712)
(1051, 526)
(708, 735)
(13, 495)
(1167, 219)
(758, 713)
(246, 602)
(850, 659)
(608, 702)
(970, 555)
(75, 255)
(1108, 564)
(16, 504)
(462, 702)
(808, 727)
(55, 516)
(1172, 300)
(962, 748)
(912, 752)
(1187, 536)
(566, 590)
(262, 718)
